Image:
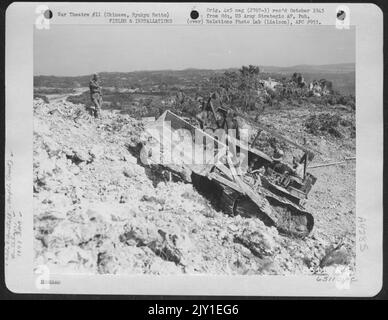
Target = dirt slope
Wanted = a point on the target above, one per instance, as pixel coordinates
(97, 210)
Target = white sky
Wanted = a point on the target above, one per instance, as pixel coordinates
(68, 50)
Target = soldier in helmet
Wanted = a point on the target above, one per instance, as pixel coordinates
(278, 165)
(95, 95)
(206, 117)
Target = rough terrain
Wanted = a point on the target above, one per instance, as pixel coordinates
(98, 210)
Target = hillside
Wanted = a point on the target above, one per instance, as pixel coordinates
(305, 68)
(342, 75)
(98, 210)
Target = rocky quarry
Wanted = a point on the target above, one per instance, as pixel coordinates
(98, 210)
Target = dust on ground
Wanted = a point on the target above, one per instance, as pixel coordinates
(98, 211)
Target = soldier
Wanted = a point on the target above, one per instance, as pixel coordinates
(231, 122)
(206, 118)
(95, 95)
(277, 163)
(297, 168)
(221, 118)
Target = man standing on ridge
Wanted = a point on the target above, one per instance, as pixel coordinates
(95, 95)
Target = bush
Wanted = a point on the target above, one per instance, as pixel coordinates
(41, 96)
(45, 90)
(83, 98)
(324, 123)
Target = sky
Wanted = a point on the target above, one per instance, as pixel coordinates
(72, 50)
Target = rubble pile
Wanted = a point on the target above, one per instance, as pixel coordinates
(98, 210)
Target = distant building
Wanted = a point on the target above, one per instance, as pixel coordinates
(269, 84)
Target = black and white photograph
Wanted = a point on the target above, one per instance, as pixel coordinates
(194, 149)
(104, 201)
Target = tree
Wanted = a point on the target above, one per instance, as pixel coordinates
(250, 70)
(254, 70)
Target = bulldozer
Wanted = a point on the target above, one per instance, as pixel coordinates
(277, 198)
